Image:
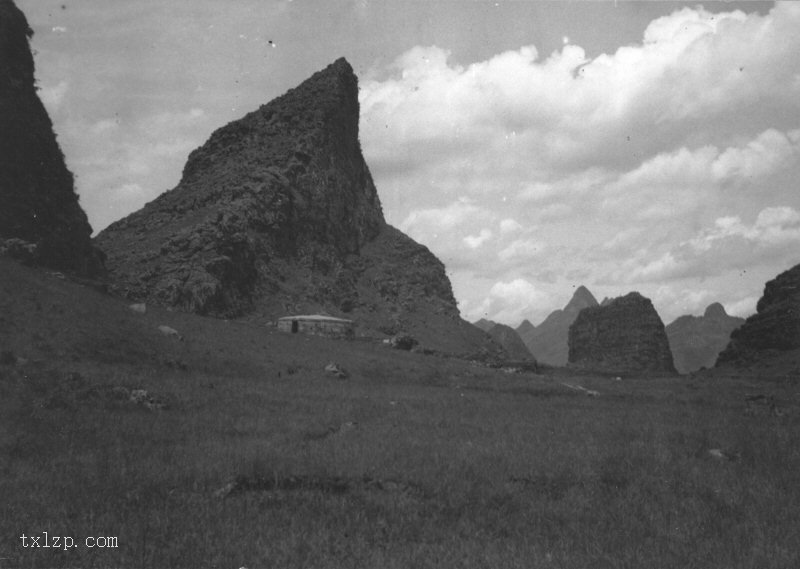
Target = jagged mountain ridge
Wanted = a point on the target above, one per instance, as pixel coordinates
(38, 203)
(548, 342)
(774, 330)
(625, 335)
(277, 213)
(696, 341)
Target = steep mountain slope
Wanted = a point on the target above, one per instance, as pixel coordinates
(774, 331)
(507, 337)
(696, 341)
(548, 341)
(626, 335)
(276, 214)
(38, 204)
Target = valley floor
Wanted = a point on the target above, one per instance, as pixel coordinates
(233, 447)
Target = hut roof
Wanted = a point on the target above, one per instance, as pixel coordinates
(317, 318)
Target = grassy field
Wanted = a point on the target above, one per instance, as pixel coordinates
(261, 459)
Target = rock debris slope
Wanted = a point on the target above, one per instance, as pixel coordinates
(277, 213)
(775, 328)
(625, 335)
(696, 341)
(38, 203)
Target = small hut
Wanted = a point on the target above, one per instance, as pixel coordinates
(317, 324)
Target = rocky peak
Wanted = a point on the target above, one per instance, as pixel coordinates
(715, 311)
(38, 204)
(774, 328)
(580, 300)
(526, 327)
(276, 214)
(548, 341)
(625, 335)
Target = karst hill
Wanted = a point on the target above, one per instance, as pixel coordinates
(696, 341)
(39, 211)
(771, 335)
(625, 335)
(277, 213)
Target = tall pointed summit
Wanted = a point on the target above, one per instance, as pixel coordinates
(277, 213)
(548, 341)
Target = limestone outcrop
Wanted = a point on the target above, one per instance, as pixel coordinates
(277, 214)
(696, 341)
(626, 335)
(38, 203)
(773, 329)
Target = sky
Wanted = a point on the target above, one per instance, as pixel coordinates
(533, 146)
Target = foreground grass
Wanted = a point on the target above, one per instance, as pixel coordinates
(413, 461)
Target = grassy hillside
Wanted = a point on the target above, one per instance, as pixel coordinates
(259, 458)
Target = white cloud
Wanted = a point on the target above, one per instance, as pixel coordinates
(521, 249)
(53, 96)
(770, 151)
(509, 226)
(510, 302)
(475, 241)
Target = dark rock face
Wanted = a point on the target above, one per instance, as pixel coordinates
(626, 335)
(507, 337)
(548, 341)
(38, 203)
(277, 214)
(696, 341)
(774, 328)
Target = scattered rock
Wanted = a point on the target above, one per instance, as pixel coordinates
(403, 342)
(589, 392)
(323, 484)
(719, 454)
(347, 427)
(168, 331)
(139, 307)
(335, 370)
(19, 249)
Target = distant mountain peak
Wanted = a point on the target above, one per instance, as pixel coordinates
(581, 299)
(715, 310)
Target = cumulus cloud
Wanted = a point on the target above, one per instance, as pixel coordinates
(475, 241)
(506, 301)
